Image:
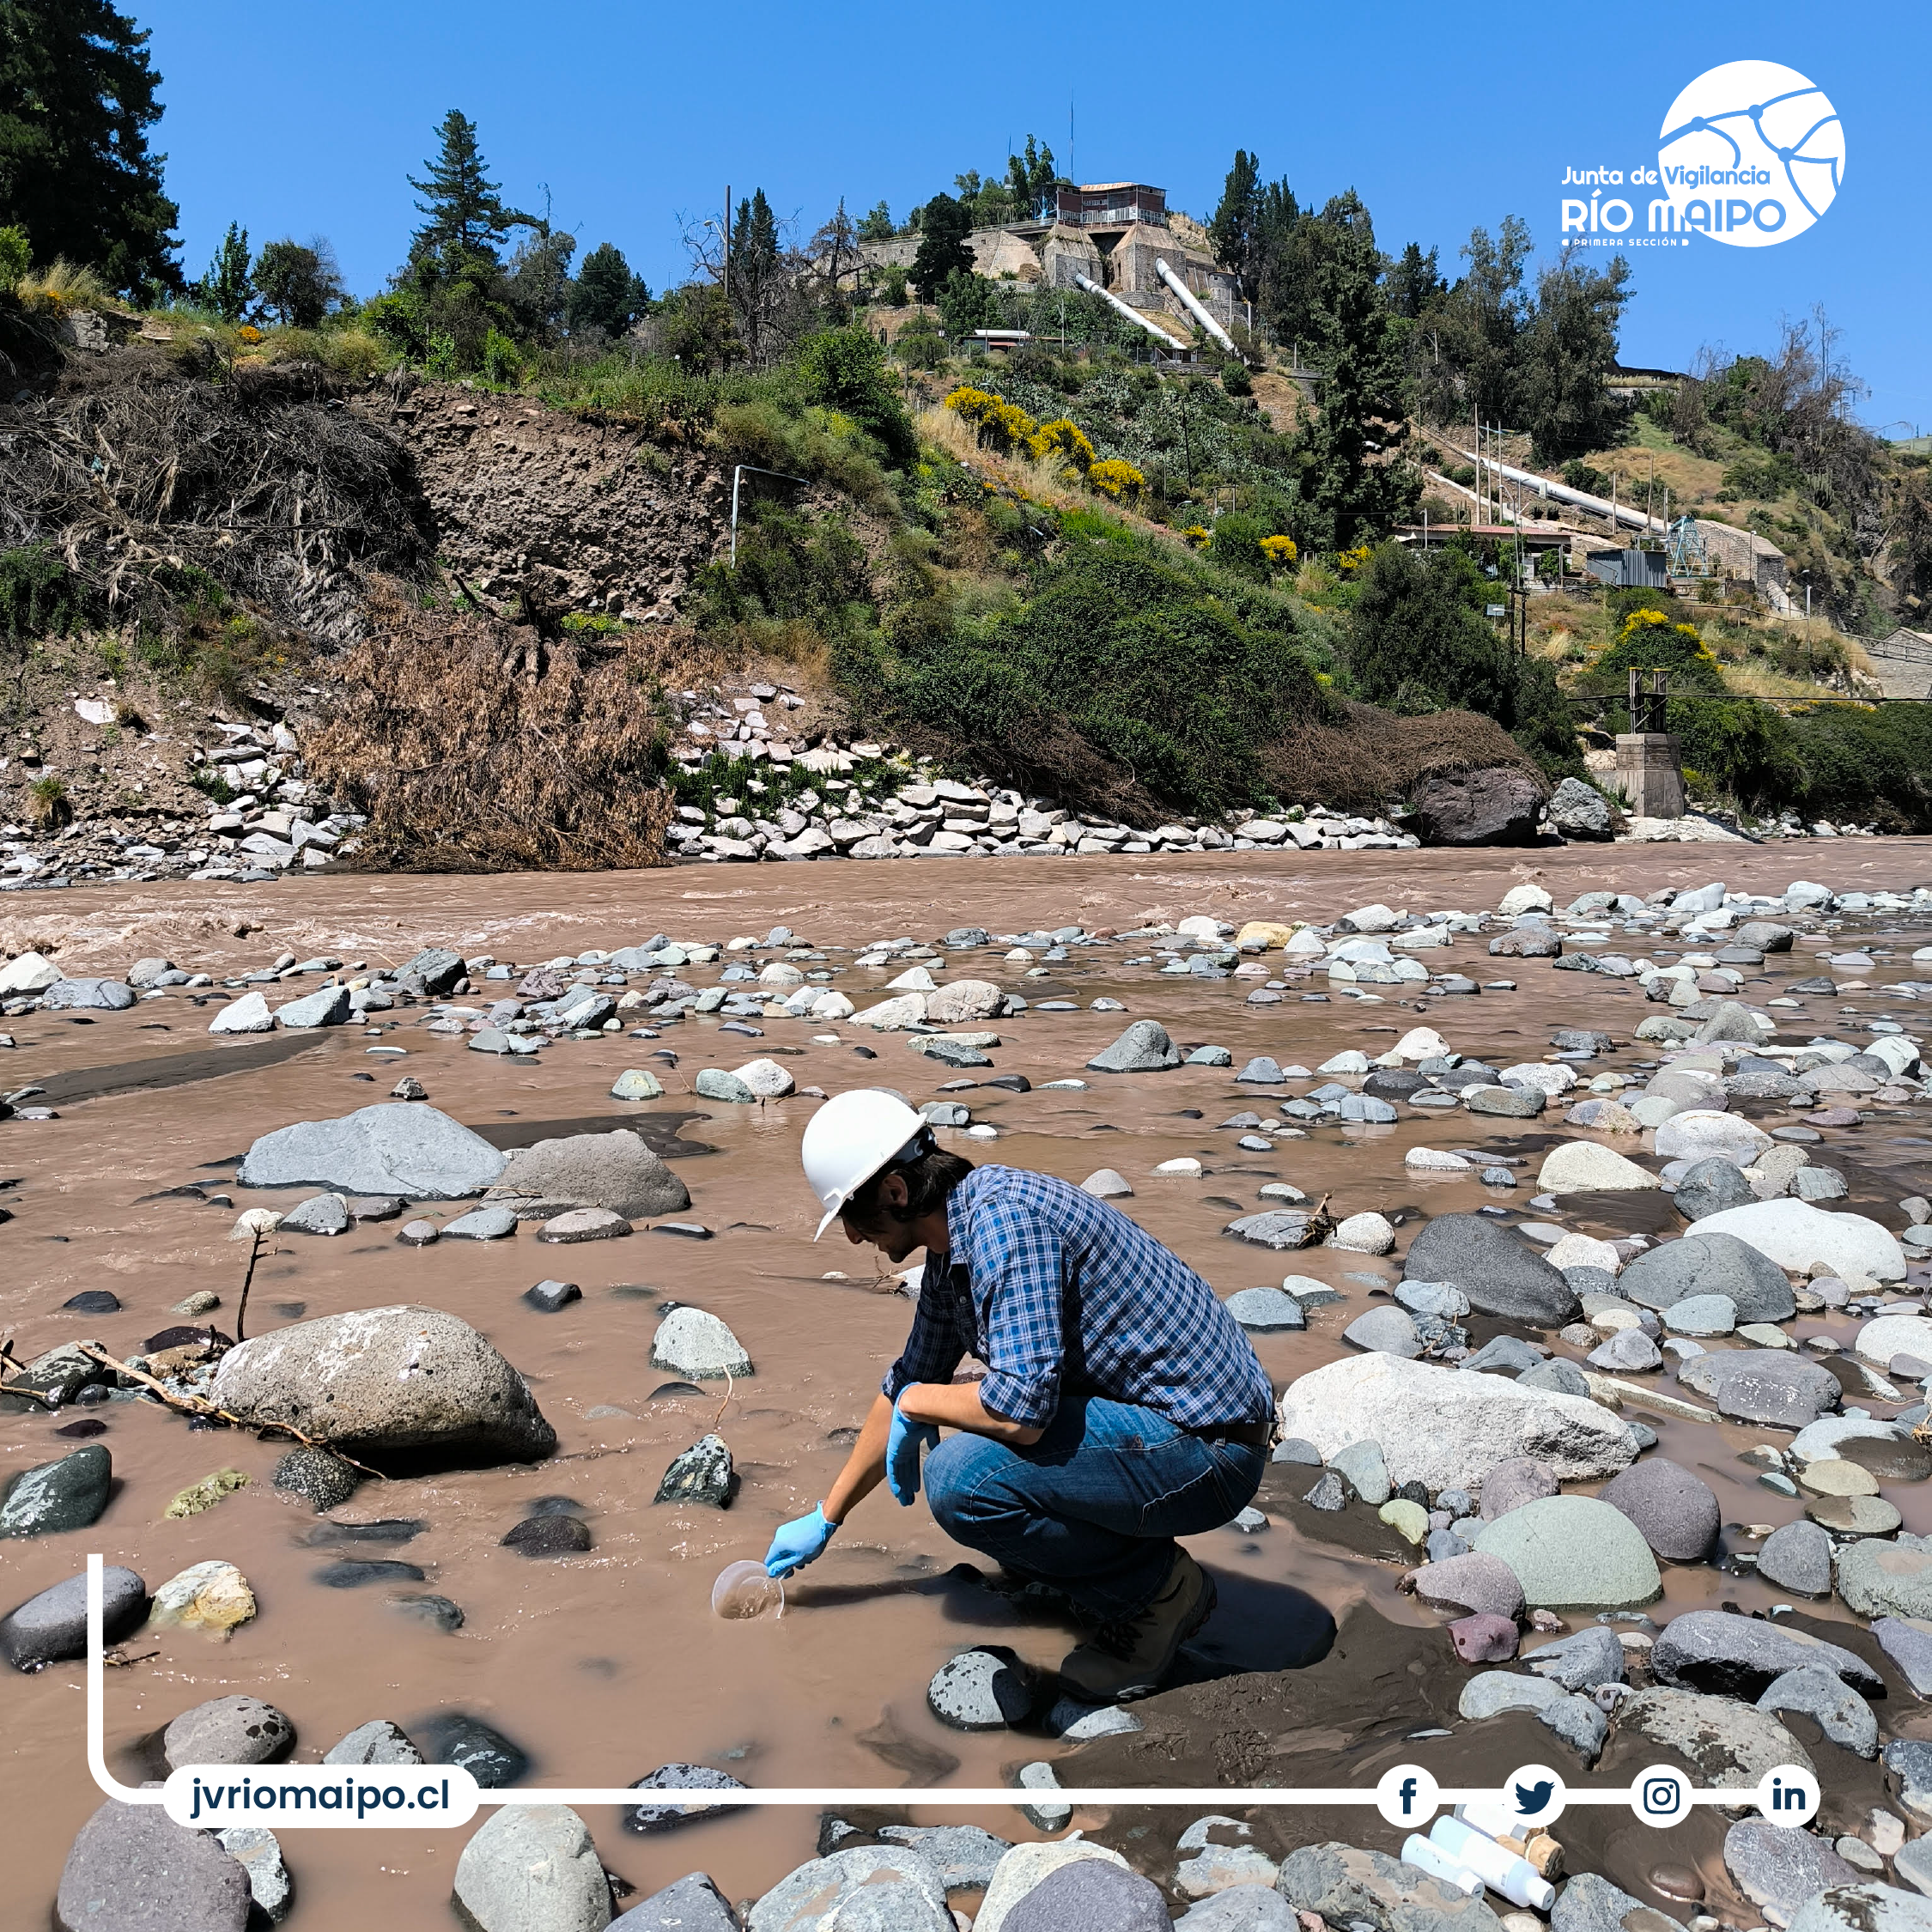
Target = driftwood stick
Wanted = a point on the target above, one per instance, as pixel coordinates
(200, 1404)
(247, 1282)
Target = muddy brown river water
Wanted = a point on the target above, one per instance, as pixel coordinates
(604, 1664)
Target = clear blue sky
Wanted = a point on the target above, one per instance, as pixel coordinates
(300, 120)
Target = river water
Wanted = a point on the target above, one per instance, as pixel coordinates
(604, 1664)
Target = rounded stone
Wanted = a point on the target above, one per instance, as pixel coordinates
(237, 1731)
(1859, 1515)
(1797, 1557)
(1701, 1315)
(1365, 1234)
(533, 1869)
(1895, 1334)
(1836, 1476)
(1574, 1551)
(130, 1866)
(987, 1689)
(1266, 1311)
(1675, 1511)
(53, 1625)
(321, 1479)
(1510, 1485)
(1699, 1133)
(1583, 1167)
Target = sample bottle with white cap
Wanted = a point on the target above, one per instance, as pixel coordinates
(1431, 1858)
(1501, 1869)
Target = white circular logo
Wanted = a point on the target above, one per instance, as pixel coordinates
(1751, 154)
(1406, 1797)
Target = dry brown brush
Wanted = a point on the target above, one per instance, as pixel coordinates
(1374, 756)
(478, 745)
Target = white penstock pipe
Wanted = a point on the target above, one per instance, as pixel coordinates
(1194, 306)
(1503, 1871)
(1431, 1858)
(1132, 315)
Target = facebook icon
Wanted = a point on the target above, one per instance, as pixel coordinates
(1406, 1792)
(1407, 1795)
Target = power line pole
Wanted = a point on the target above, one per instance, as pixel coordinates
(726, 272)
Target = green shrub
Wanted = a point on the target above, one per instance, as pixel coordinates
(844, 369)
(1651, 641)
(39, 596)
(1235, 378)
(1744, 750)
(15, 255)
(399, 319)
(789, 566)
(502, 361)
(1866, 763)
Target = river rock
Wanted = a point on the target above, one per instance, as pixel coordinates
(1877, 1578)
(397, 1147)
(1709, 1186)
(985, 1689)
(53, 1497)
(1703, 1315)
(533, 1869)
(1725, 1742)
(131, 1869)
(455, 1737)
(713, 1083)
(1779, 1868)
(1589, 1903)
(1797, 1236)
(31, 973)
(97, 995)
(212, 1595)
(960, 1002)
(320, 1214)
(647, 1819)
(377, 1742)
(259, 1855)
(1500, 1272)
(1708, 1262)
(1797, 1557)
(383, 1380)
(1482, 1586)
(1762, 1385)
(237, 1731)
(870, 1888)
(691, 1904)
(1822, 1695)
(694, 1343)
(249, 1014)
(322, 1479)
(1868, 1907)
(615, 1170)
(1675, 1512)
(702, 1474)
(1573, 1551)
(1447, 1429)
(1145, 1047)
(1893, 1335)
(1699, 1133)
(1092, 1895)
(1726, 1653)
(53, 1626)
(1581, 1661)
(1581, 812)
(1583, 1167)
(1266, 1311)
(1511, 1484)
(541, 1536)
(582, 1224)
(637, 1083)
(1389, 1329)
(1106, 1184)
(1347, 1886)
(328, 1005)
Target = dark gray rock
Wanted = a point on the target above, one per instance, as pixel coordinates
(320, 1214)
(1329, 1494)
(1822, 1695)
(1145, 1047)
(1709, 1264)
(1278, 1228)
(352, 1574)
(702, 1474)
(395, 1147)
(1090, 1895)
(455, 1737)
(1797, 1557)
(436, 966)
(1721, 1652)
(1709, 1186)
(60, 1375)
(1777, 1868)
(1907, 1644)
(1581, 1661)
(668, 1816)
(236, 1730)
(422, 1607)
(1589, 1903)
(1515, 1481)
(1497, 805)
(550, 1533)
(1562, 1377)
(691, 1904)
(548, 1296)
(1500, 1272)
(53, 1625)
(1762, 1385)
(131, 1869)
(1676, 1511)
(1581, 812)
(987, 1689)
(615, 1170)
(318, 1477)
(53, 1497)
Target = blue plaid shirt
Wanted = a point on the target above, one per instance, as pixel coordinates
(1059, 1294)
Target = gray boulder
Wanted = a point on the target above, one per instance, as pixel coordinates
(984, 1689)
(320, 1214)
(110, 996)
(384, 1380)
(1477, 1584)
(1724, 1742)
(1725, 1654)
(1145, 1047)
(1392, 1330)
(328, 1005)
(1500, 804)
(236, 1730)
(533, 1869)
(1345, 1885)
(1264, 1310)
(1578, 811)
(1709, 1186)
(53, 1626)
(1090, 1895)
(1242, 1908)
(395, 1147)
(899, 1880)
(695, 1342)
(1909, 1645)
(1500, 1272)
(1511, 1484)
(437, 967)
(668, 1814)
(615, 1170)
(1762, 1385)
(1866, 1907)
(1581, 1661)
(701, 1475)
(691, 1904)
(1709, 1264)
(1677, 1512)
(131, 1869)
(1823, 1695)
(1797, 1557)
(1878, 1578)
(53, 1497)
(1589, 1903)
(1779, 1868)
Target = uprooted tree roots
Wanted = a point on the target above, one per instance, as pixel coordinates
(477, 745)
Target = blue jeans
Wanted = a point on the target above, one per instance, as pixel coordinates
(1094, 1506)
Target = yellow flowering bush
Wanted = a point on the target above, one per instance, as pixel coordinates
(1199, 537)
(1115, 479)
(1062, 438)
(1354, 559)
(1279, 549)
(999, 423)
(248, 332)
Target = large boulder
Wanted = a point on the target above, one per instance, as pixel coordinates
(1581, 812)
(1348, 1885)
(1797, 1236)
(1731, 1655)
(825, 1893)
(1675, 1511)
(1726, 1742)
(1878, 1578)
(960, 1001)
(1447, 1429)
(1698, 1133)
(1770, 1385)
(111, 996)
(1498, 807)
(132, 1868)
(533, 1869)
(1709, 1262)
(397, 1147)
(1498, 1271)
(53, 1625)
(1576, 1552)
(615, 1170)
(1145, 1047)
(380, 1381)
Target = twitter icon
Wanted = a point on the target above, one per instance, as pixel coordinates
(1532, 1800)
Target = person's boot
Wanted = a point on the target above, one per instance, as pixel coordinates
(1126, 1659)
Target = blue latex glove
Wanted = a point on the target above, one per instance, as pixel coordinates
(902, 1455)
(798, 1542)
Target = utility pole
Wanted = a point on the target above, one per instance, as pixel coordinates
(727, 255)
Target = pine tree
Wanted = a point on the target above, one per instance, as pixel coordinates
(942, 250)
(1232, 232)
(466, 211)
(877, 225)
(756, 274)
(606, 295)
(77, 101)
(228, 288)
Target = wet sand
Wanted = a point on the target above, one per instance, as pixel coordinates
(606, 1665)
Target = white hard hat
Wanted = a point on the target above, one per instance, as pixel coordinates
(850, 1139)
